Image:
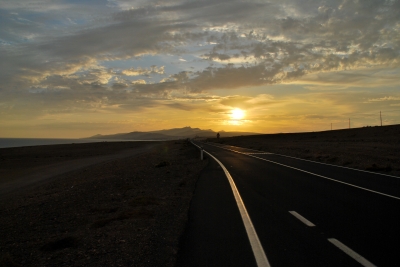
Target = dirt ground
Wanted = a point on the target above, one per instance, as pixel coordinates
(17, 162)
(130, 210)
(375, 149)
(127, 211)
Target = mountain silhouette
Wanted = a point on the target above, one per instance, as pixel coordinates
(168, 134)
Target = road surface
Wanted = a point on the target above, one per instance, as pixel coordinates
(304, 213)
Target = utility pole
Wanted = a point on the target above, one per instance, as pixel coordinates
(380, 115)
(349, 123)
(331, 126)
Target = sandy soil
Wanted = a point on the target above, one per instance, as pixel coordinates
(375, 149)
(124, 211)
(25, 167)
(19, 161)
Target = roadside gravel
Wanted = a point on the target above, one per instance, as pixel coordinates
(124, 212)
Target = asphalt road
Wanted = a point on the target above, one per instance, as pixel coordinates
(304, 213)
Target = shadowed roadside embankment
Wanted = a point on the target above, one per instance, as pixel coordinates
(128, 211)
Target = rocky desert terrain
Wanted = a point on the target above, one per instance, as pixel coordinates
(125, 211)
(126, 203)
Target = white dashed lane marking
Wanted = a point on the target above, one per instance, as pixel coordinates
(351, 253)
(301, 218)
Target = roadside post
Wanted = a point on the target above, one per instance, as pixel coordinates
(201, 150)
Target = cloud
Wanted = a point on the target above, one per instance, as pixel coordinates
(144, 71)
(247, 102)
(314, 43)
(180, 106)
(385, 98)
(119, 86)
(75, 53)
(366, 78)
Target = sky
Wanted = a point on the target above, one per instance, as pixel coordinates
(76, 68)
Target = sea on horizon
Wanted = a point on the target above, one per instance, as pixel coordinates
(20, 142)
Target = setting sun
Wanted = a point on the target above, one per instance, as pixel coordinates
(237, 114)
(64, 78)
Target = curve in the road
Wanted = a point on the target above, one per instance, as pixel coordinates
(322, 163)
(338, 244)
(258, 251)
(321, 176)
(255, 243)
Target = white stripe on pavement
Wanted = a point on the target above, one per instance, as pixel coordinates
(356, 186)
(317, 162)
(351, 252)
(338, 181)
(301, 218)
(256, 246)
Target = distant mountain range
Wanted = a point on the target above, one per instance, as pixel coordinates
(170, 134)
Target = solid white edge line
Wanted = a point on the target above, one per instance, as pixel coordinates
(258, 250)
(351, 252)
(301, 218)
(322, 163)
(359, 187)
(343, 167)
(255, 243)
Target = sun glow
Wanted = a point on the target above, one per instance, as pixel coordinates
(237, 114)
